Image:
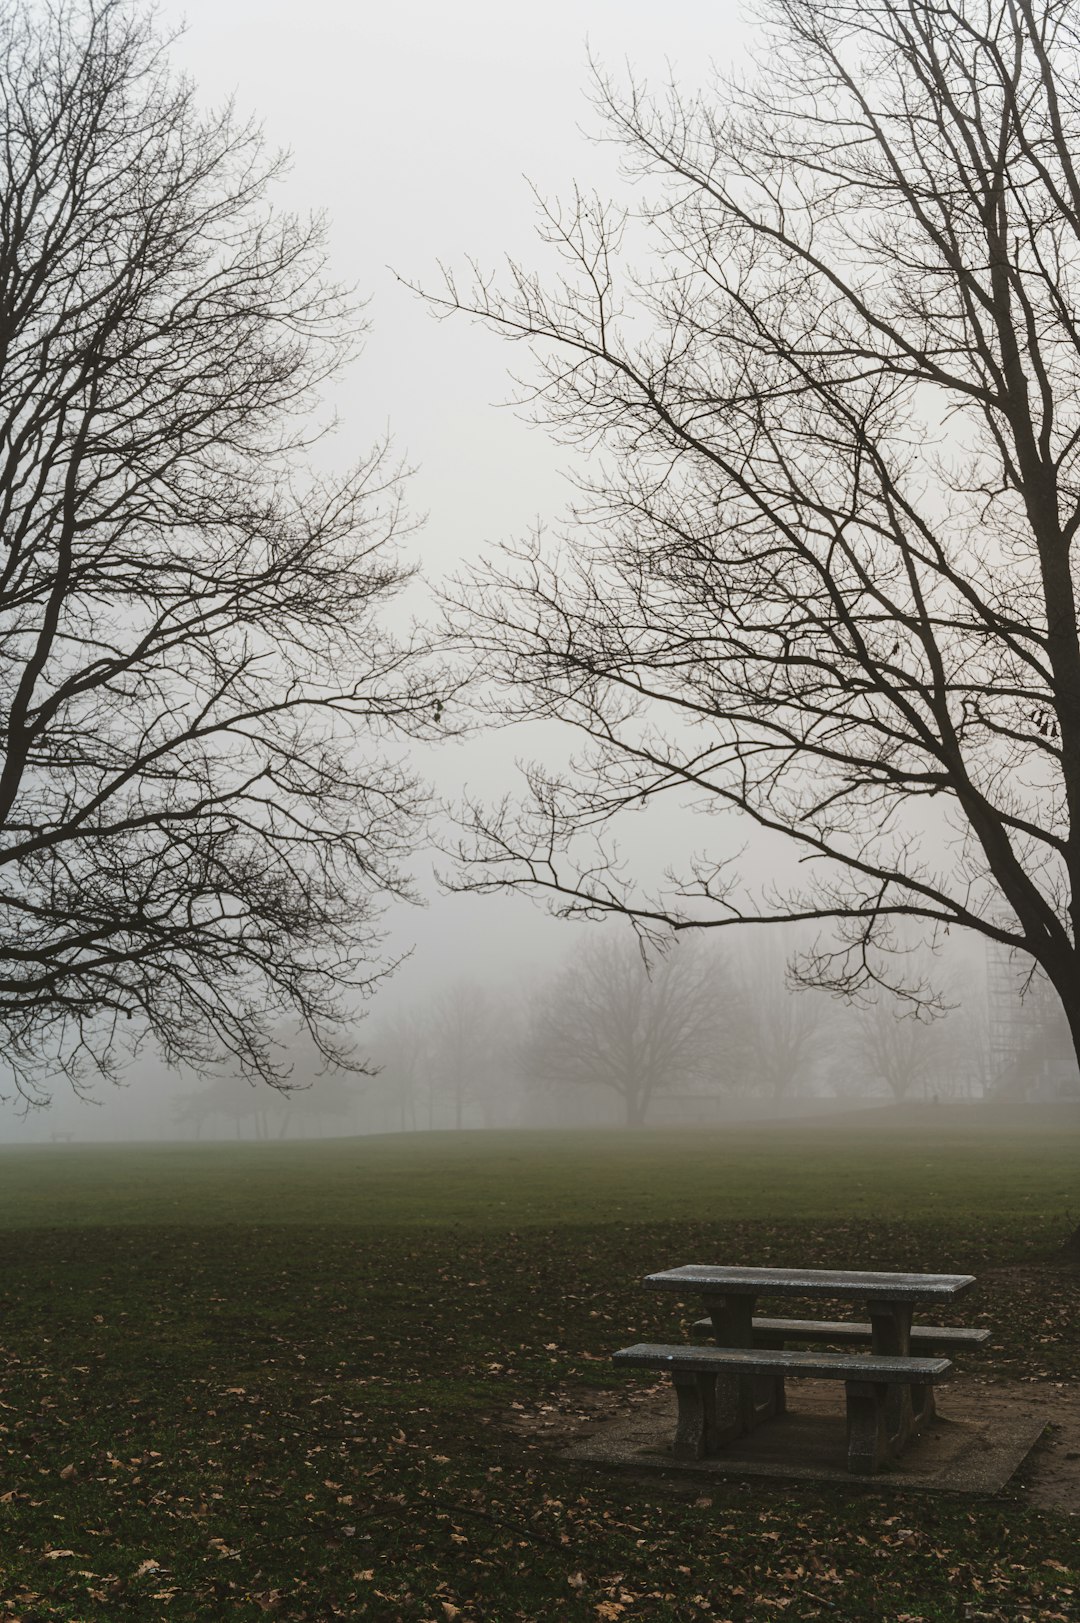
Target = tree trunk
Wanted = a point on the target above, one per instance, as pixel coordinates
(1069, 993)
(637, 1103)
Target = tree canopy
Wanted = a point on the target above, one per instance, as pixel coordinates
(197, 823)
(826, 371)
(606, 1021)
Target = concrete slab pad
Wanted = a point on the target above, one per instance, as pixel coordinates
(974, 1445)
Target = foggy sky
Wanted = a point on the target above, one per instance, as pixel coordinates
(414, 128)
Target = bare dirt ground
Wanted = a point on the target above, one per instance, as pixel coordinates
(1049, 1477)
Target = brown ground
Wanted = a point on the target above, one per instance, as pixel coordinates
(1050, 1477)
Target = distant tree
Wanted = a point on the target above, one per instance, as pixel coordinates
(193, 836)
(189, 1111)
(325, 1105)
(883, 1045)
(827, 373)
(890, 1046)
(310, 1109)
(610, 1020)
(229, 1099)
(401, 1049)
(971, 1064)
(463, 1043)
(781, 1029)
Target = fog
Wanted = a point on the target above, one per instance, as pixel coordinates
(414, 127)
(581, 1031)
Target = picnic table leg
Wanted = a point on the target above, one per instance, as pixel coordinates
(770, 1388)
(695, 1428)
(743, 1401)
(868, 1431)
(907, 1408)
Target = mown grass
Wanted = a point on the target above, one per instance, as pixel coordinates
(938, 1165)
(279, 1381)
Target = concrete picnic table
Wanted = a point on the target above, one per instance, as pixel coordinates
(890, 1300)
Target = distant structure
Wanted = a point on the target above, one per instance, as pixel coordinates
(1031, 1051)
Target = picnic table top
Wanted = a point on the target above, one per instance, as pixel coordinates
(707, 1280)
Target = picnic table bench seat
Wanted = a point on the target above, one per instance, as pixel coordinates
(926, 1337)
(701, 1428)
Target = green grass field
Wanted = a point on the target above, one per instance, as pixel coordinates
(947, 1165)
(294, 1381)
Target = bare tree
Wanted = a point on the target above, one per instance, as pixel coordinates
(781, 1029)
(327, 1106)
(822, 574)
(227, 1098)
(191, 835)
(463, 1045)
(889, 1045)
(611, 1020)
(401, 1048)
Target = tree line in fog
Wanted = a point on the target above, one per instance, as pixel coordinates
(695, 1035)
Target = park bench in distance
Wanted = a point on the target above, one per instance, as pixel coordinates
(702, 1427)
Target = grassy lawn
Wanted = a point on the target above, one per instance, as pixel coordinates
(280, 1380)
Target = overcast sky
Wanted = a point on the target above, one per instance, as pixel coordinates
(418, 128)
